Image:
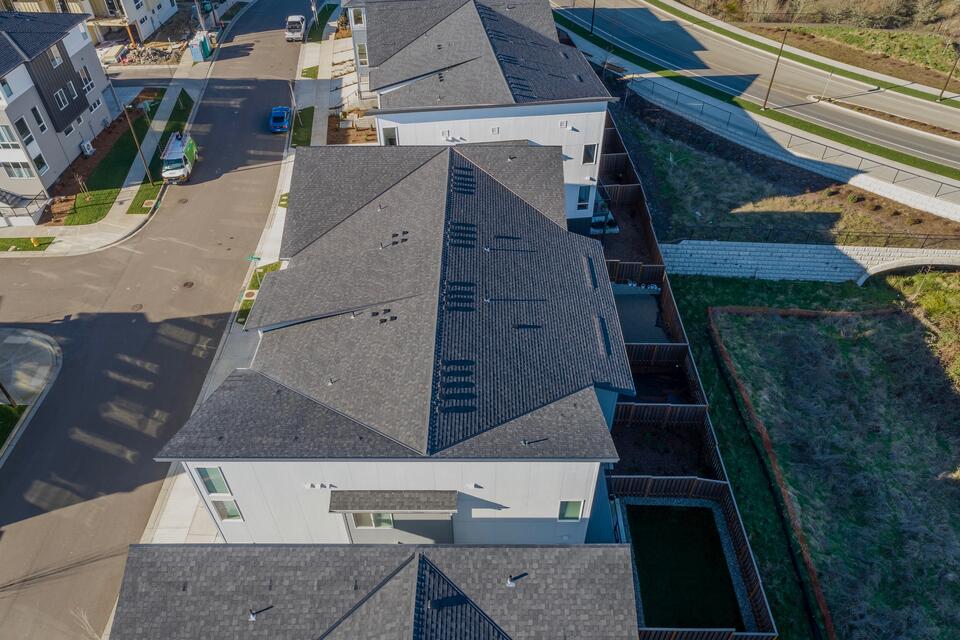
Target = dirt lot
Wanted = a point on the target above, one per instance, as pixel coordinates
(863, 420)
(65, 190)
(336, 135)
(702, 185)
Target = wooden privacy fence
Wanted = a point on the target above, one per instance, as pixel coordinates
(660, 353)
(670, 314)
(719, 492)
(652, 633)
(634, 272)
(636, 413)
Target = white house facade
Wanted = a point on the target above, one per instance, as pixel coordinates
(459, 71)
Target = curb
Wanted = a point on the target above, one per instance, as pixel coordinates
(7, 449)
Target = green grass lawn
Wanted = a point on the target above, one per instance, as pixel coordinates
(935, 295)
(8, 419)
(684, 578)
(772, 114)
(24, 244)
(302, 128)
(863, 420)
(107, 178)
(176, 122)
(310, 72)
(255, 281)
(233, 11)
(927, 49)
(323, 15)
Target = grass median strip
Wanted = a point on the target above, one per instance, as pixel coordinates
(302, 128)
(106, 179)
(823, 66)
(25, 244)
(771, 114)
(323, 16)
(177, 121)
(254, 285)
(9, 417)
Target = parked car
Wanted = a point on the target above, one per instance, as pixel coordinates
(296, 29)
(279, 119)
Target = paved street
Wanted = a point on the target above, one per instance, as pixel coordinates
(744, 70)
(138, 325)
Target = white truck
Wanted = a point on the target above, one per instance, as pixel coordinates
(178, 158)
(296, 29)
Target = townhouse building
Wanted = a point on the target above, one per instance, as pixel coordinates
(440, 362)
(122, 19)
(464, 71)
(52, 104)
(181, 592)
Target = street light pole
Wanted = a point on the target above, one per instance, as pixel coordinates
(823, 94)
(952, 70)
(775, 66)
(133, 132)
(593, 15)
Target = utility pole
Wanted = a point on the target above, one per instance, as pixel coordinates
(823, 94)
(956, 48)
(776, 64)
(133, 132)
(593, 15)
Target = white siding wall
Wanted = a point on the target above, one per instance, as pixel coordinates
(19, 81)
(500, 503)
(537, 123)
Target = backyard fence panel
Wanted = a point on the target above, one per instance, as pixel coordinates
(654, 354)
(670, 314)
(651, 633)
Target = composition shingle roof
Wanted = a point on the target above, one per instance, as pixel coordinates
(396, 501)
(437, 311)
(376, 591)
(429, 54)
(26, 35)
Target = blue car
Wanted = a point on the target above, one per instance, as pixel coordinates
(279, 119)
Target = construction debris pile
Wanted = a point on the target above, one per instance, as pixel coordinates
(154, 53)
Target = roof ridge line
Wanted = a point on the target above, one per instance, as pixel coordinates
(498, 181)
(493, 52)
(390, 576)
(23, 56)
(333, 410)
(417, 168)
(267, 328)
(430, 28)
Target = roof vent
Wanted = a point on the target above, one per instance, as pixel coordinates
(578, 77)
(254, 614)
(512, 580)
(439, 46)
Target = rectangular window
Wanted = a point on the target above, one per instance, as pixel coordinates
(227, 509)
(40, 164)
(73, 89)
(17, 169)
(8, 140)
(24, 131)
(390, 137)
(95, 105)
(570, 510)
(83, 32)
(68, 130)
(143, 18)
(53, 55)
(362, 54)
(5, 87)
(138, 4)
(564, 124)
(86, 79)
(61, 99)
(589, 153)
(79, 120)
(213, 481)
(41, 125)
(495, 131)
(583, 197)
(357, 15)
(373, 520)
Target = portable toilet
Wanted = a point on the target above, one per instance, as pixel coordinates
(200, 47)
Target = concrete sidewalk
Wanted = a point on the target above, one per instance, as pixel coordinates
(315, 93)
(29, 364)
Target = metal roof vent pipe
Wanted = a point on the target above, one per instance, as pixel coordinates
(254, 614)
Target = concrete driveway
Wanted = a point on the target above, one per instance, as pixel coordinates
(138, 325)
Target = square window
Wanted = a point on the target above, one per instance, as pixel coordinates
(227, 510)
(213, 480)
(95, 105)
(40, 164)
(570, 510)
(68, 130)
(41, 125)
(373, 520)
(589, 153)
(5, 87)
(53, 55)
(583, 197)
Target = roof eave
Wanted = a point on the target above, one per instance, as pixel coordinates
(492, 105)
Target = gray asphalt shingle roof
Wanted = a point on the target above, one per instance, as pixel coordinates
(177, 592)
(444, 315)
(393, 501)
(27, 35)
(430, 54)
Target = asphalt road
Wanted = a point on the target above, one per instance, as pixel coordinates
(138, 325)
(742, 70)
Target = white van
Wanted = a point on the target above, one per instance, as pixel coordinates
(296, 29)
